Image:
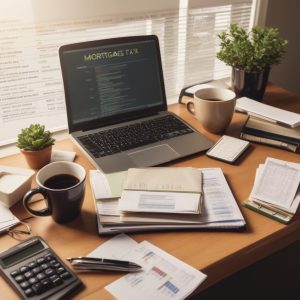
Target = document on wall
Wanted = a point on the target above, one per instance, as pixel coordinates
(163, 276)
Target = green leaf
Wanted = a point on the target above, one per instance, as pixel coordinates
(34, 138)
(251, 51)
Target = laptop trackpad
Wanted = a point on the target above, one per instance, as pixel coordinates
(153, 155)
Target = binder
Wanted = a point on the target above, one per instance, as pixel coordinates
(267, 212)
(272, 134)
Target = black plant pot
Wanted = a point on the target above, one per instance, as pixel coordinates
(249, 84)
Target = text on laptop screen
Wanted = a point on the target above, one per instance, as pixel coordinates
(108, 80)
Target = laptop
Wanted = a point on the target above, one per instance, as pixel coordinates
(116, 105)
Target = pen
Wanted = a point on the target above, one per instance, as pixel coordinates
(94, 263)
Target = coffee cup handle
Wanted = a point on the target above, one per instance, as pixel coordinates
(190, 107)
(43, 212)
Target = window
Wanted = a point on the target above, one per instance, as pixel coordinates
(31, 87)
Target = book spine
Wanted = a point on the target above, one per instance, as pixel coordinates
(270, 142)
(271, 135)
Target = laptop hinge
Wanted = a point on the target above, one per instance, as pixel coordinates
(120, 121)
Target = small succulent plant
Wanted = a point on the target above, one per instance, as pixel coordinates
(34, 138)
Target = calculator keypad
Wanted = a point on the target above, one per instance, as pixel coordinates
(40, 275)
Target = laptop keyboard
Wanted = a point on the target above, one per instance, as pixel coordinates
(120, 139)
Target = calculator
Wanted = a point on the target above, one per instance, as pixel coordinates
(35, 272)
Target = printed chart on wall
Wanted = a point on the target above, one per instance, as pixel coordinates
(30, 78)
(31, 89)
(31, 32)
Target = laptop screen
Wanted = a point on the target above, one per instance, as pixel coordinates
(111, 80)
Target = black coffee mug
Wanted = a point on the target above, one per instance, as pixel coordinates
(62, 185)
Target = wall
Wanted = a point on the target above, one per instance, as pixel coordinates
(285, 16)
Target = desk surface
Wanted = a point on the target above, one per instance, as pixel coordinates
(217, 254)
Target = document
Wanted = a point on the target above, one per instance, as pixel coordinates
(7, 218)
(280, 208)
(157, 202)
(163, 276)
(268, 112)
(106, 186)
(162, 190)
(219, 210)
(115, 248)
(164, 179)
(277, 183)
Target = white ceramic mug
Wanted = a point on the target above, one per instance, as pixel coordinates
(213, 107)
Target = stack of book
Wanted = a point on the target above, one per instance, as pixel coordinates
(276, 190)
(265, 132)
(164, 199)
(270, 125)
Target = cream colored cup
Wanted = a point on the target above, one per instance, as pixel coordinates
(213, 107)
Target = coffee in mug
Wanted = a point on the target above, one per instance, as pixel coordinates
(213, 107)
(62, 184)
(61, 181)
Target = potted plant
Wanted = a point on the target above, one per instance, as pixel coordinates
(36, 144)
(251, 55)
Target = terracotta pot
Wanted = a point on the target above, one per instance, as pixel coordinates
(249, 84)
(39, 158)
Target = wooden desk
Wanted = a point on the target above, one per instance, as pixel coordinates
(218, 254)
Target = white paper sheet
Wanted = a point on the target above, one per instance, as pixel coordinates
(277, 183)
(164, 179)
(115, 248)
(108, 207)
(7, 219)
(268, 112)
(142, 201)
(163, 276)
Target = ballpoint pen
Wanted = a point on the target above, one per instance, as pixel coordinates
(94, 263)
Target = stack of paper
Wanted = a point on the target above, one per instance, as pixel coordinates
(7, 219)
(218, 210)
(267, 112)
(276, 190)
(164, 191)
(163, 276)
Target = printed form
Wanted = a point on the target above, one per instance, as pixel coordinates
(277, 183)
(162, 190)
(163, 276)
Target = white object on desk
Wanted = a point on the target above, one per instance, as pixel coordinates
(7, 219)
(220, 209)
(60, 155)
(268, 112)
(115, 248)
(277, 183)
(162, 189)
(160, 202)
(228, 148)
(163, 275)
(14, 183)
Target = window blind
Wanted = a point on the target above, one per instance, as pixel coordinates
(31, 88)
